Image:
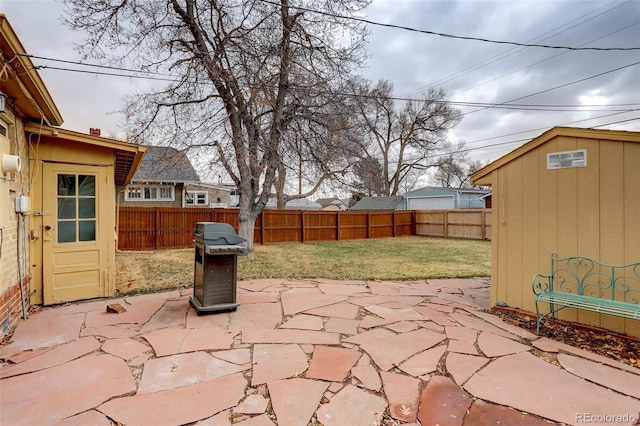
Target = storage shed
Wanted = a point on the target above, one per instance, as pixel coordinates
(569, 191)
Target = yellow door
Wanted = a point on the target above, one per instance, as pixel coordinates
(74, 245)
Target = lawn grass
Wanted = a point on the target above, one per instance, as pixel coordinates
(405, 258)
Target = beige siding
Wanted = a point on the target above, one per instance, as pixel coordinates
(590, 211)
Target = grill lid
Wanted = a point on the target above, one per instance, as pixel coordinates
(217, 233)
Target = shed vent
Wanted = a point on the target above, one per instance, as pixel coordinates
(567, 159)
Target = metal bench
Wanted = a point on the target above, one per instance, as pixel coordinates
(583, 283)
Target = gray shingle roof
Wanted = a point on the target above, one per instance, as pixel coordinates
(378, 203)
(165, 164)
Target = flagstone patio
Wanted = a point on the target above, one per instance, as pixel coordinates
(305, 352)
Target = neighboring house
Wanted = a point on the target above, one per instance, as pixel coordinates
(166, 178)
(569, 191)
(297, 204)
(379, 203)
(57, 241)
(437, 198)
(332, 204)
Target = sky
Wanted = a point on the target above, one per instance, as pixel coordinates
(550, 86)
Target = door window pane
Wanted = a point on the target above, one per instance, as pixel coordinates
(87, 230)
(66, 184)
(87, 208)
(67, 232)
(86, 186)
(66, 208)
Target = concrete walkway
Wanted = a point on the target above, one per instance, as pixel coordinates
(305, 352)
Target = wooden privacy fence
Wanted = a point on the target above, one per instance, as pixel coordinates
(468, 223)
(149, 228)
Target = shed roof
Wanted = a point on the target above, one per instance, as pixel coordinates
(482, 176)
(165, 164)
(378, 203)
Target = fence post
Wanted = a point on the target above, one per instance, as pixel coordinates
(446, 223)
(156, 232)
(303, 225)
(414, 225)
(262, 226)
(483, 234)
(393, 223)
(368, 225)
(337, 226)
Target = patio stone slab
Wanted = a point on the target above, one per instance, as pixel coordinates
(591, 356)
(601, 374)
(196, 402)
(461, 366)
(447, 309)
(483, 413)
(290, 336)
(293, 303)
(260, 284)
(461, 333)
(332, 364)
(443, 402)
(171, 314)
(304, 322)
(403, 326)
(368, 376)
(352, 406)
(423, 363)
(51, 358)
(370, 336)
(498, 322)
(93, 418)
(46, 332)
(342, 326)
(345, 289)
(276, 362)
(392, 351)
(139, 310)
(208, 339)
(220, 419)
(182, 370)
(252, 404)
(479, 324)
(527, 383)
(343, 310)
(371, 321)
(378, 300)
(545, 345)
(261, 420)
(295, 400)
(382, 289)
(492, 345)
(217, 320)
(248, 297)
(24, 356)
(395, 314)
(64, 390)
(462, 347)
(434, 315)
(234, 356)
(403, 394)
(112, 331)
(459, 283)
(257, 316)
(125, 348)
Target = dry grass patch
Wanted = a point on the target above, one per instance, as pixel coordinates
(403, 258)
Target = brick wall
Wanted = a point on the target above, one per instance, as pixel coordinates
(10, 258)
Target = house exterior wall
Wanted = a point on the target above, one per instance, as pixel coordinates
(52, 149)
(588, 211)
(432, 198)
(178, 190)
(217, 196)
(13, 262)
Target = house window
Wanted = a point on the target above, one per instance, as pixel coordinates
(4, 131)
(149, 193)
(567, 159)
(197, 198)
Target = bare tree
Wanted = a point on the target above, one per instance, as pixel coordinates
(402, 138)
(454, 167)
(239, 74)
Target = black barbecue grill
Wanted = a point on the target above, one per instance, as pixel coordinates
(216, 263)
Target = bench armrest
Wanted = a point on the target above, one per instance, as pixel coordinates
(541, 283)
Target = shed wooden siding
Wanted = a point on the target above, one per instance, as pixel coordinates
(589, 211)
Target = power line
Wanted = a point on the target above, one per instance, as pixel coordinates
(485, 40)
(481, 105)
